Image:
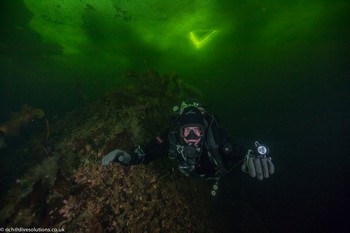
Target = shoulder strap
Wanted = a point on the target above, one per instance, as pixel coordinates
(214, 153)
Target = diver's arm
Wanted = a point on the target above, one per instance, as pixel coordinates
(231, 150)
(156, 148)
(257, 162)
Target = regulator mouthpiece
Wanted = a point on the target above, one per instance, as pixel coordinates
(261, 149)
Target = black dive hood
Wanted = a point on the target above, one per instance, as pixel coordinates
(191, 116)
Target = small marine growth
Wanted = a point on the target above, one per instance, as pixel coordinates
(69, 188)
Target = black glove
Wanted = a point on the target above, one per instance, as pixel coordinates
(259, 164)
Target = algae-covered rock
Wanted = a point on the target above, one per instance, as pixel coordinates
(85, 196)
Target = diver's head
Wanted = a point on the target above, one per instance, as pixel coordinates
(191, 126)
(189, 133)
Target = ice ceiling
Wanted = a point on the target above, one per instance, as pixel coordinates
(76, 25)
(118, 31)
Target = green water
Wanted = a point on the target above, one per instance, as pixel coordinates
(276, 71)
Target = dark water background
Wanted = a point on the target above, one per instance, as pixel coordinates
(289, 90)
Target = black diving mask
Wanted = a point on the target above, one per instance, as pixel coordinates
(192, 135)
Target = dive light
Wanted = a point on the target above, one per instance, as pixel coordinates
(261, 149)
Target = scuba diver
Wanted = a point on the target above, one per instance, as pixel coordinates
(200, 146)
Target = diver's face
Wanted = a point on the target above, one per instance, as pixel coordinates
(192, 135)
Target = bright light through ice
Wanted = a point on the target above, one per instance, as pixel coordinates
(201, 37)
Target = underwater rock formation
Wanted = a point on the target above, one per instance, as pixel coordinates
(81, 195)
(18, 120)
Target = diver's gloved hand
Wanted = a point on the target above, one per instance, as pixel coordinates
(118, 156)
(257, 165)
